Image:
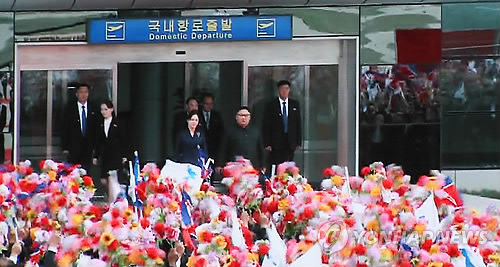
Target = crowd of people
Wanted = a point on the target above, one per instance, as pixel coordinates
(99, 137)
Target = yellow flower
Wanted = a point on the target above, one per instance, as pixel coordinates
(128, 212)
(432, 185)
(304, 246)
(420, 228)
(346, 252)
(77, 219)
(173, 206)
(386, 254)
(308, 188)
(494, 258)
(211, 194)
(317, 198)
(33, 231)
(324, 207)
(52, 175)
(376, 191)
(107, 238)
(337, 180)
(373, 225)
(253, 257)
(435, 264)
(220, 241)
(492, 224)
(147, 210)
(66, 260)
(283, 204)
(200, 194)
(434, 249)
(191, 261)
(372, 177)
(159, 262)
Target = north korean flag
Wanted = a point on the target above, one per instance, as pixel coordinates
(452, 196)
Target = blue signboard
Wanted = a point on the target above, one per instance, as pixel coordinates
(206, 29)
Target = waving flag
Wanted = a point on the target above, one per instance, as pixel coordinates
(452, 197)
(184, 175)
(428, 211)
(185, 209)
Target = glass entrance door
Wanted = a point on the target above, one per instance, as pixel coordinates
(316, 89)
(44, 95)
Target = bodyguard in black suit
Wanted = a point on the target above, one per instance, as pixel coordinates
(212, 123)
(282, 130)
(78, 135)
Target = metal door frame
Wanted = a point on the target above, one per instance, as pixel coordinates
(195, 48)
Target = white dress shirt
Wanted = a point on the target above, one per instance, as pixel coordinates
(80, 113)
(286, 105)
(107, 124)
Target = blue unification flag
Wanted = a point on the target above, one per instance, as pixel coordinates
(185, 213)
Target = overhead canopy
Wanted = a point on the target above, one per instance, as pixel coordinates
(39, 5)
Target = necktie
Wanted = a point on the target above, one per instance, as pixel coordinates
(285, 118)
(84, 121)
(207, 119)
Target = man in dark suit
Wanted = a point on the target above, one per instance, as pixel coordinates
(79, 129)
(180, 118)
(282, 131)
(212, 123)
(242, 140)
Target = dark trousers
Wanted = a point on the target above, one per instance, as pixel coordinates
(280, 153)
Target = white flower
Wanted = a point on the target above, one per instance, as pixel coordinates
(4, 190)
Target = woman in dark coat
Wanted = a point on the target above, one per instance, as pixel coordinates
(111, 145)
(190, 142)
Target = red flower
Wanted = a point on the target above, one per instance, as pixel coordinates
(359, 264)
(29, 171)
(206, 237)
(152, 253)
(96, 211)
(448, 264)
(200, 262)
(41, 164)
(27, 185)
(350, 222)
(360, 250)
(115, 213)
(422, 180)
(328, 172)
(160, 228)
(308, 213)
(87, 181)
(223, 215)
(141, 191)
(459, 218)
(75, 188)
(289, 216)
(365, 171)
(427, 245)
(113, 246)
(263, 249)
(204, 187)
(292, 189)
(476, 221)
(145, 223)
(453, 250)
(405, 264)
(61, 201)
(116, 222)
(11, 168)
(161, 189)
(387, 183)
(485, 253)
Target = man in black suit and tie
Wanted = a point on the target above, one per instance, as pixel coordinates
(282, 131)
(212, 123)
(79, 129)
